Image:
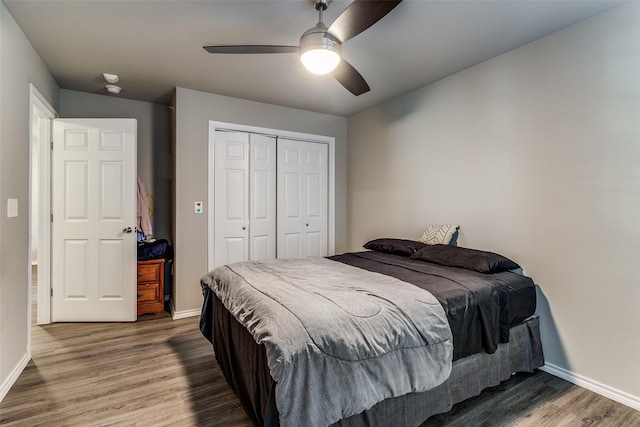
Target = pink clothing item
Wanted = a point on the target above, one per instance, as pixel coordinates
(144, 222)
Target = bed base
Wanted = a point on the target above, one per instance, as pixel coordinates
(243, 363)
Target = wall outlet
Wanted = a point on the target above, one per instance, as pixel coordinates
(197, 208)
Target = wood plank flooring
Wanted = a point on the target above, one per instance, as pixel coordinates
(161, 372)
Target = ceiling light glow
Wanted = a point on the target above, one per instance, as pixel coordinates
(320, 61)
(113, 89)
(111, 78)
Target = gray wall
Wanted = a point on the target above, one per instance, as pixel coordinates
(535, 154)
(193, 110)
(154, 143)
(19, 66)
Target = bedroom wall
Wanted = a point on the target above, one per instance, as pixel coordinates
(193, 110)
(19, 66)
(535, 154)
(154, 143)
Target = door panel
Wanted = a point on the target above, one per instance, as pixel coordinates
(231, 190)
(302, 198)
(262, 206)
(292, 246)
(75, 269)
(314, 244)
(245, 197)
(291, 196)
(93, 204)
(313, 193)
(236, 250)
(112, 182)
(111, 251)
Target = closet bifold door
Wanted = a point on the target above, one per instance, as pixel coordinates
(302, 199)
(244, 197)
(262, 197)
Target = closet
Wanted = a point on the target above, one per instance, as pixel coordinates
(270, 197)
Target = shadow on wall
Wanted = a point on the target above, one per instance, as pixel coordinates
(551, 341)
(161, 171)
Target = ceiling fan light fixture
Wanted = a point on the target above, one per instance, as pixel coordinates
(320, 61)
(319, 53)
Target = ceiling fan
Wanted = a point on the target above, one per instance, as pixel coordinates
(320, 47)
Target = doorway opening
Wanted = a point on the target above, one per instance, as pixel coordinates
(40, 120)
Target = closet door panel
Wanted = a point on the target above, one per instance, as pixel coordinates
(231, 197)
(316, 178)
(313, 193)
(235, 250)
(262, 195)
(314, 244)
(291, 246)
(292, 202)
(302, 198)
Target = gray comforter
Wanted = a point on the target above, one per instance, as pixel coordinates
(338, 339)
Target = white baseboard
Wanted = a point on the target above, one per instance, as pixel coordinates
(13, 376)
(596, 387)
(175, 315)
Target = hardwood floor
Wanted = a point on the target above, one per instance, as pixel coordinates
(154, 372)
(161, 372)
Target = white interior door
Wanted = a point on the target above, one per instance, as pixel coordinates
(94, 217)
(262, 193)
(231, 195)
(302, 199)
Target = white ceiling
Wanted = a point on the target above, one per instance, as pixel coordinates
(155, 46)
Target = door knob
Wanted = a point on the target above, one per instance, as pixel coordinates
(127, 230)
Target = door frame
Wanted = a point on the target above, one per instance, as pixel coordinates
(278, 133)
(38, 102)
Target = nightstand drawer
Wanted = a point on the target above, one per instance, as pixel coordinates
(151, 286)
(148, 292)
(148, 273)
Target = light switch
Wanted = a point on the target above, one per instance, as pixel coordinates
(197, 208)
(12, 208)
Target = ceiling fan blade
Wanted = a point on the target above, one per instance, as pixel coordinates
(358, 16)
(350, 78)
(251, 48)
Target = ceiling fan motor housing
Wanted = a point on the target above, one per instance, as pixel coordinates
(317, 39)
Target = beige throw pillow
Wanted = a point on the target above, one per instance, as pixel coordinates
(439, 234)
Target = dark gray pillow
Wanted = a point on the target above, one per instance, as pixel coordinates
(394, 246)
(470, 259)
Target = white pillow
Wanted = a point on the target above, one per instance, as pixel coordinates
(439, 234)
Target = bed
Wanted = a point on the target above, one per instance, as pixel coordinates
(466, 322)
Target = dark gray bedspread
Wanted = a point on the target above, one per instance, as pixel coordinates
(353, 337)
(480, 307)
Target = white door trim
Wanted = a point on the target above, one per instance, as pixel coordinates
(330, 141)
(37, 100)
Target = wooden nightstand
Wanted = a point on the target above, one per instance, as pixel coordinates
(151, 286)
